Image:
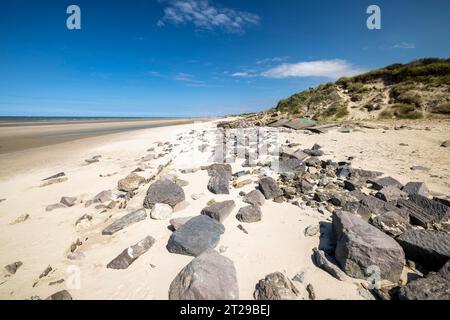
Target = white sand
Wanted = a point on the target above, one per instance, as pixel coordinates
(276, 243)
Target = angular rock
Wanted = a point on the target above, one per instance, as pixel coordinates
(13, 267)
(219, 210)
(130, 254)
(254, 197)
(249, 214)
(54, 206)
(384, 182)
(276, 286)
(130, 182)
(436, 286)
(161, 211)
(218, 169)
(58, 175)
(176, 223)
(430, 248)
(210, 276)
(196, 236)
(290, 153)
(439, 210)
(371, 205)
(125, 221)
(325, 262)
(219, 184)
(418, 215)
(391, 194)
(290, 165)
(164, 191)
(391, 223)
(269, 187)
(60, 295)
(68, 201)
(416, 188)
(313, 153)
(445, 144)
(104, 196)
(360, 246)
(340, 199)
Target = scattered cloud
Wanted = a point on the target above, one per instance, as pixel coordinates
(206, 16)
(269, 60)
(240, 74)
(404, 45)
(332, 69)
(186, 77)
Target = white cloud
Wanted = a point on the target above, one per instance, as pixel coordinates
(404, 45)
(240, 74)
(332, 69)
(204, 15)
(268, 60)
(185, 77)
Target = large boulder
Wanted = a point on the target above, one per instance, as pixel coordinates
(125, 221)
(130, 182)
(130, 254)
(164, 191)
(276, 286)
(249, 214)
(430, 248)
(219, 210)
(210, 276)
(269, 188)
(436, 286)
(196, 236)
(361, 247)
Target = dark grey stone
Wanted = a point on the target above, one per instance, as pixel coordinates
(164, 191)
(249, 214)
(416, 188)
(254, 197)
(125, 221)
(210, 276)
(269, 188)
(130, 254)
(219, 210)
(276, 286)
(361, 246)
(60, 295)
(195, 236)
(430, 248)
(391, 223)
(384, 182)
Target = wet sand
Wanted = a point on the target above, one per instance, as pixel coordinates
(21, 136)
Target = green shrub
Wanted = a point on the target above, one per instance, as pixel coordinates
(406, 111)
(385, 114)
(441, 109)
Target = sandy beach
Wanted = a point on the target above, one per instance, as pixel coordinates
(39, 238)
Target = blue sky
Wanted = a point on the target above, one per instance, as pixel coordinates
(198, 57)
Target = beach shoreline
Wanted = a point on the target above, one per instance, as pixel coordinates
(19, 135)
(70, 238)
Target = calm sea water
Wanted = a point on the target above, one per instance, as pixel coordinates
(4, 119)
